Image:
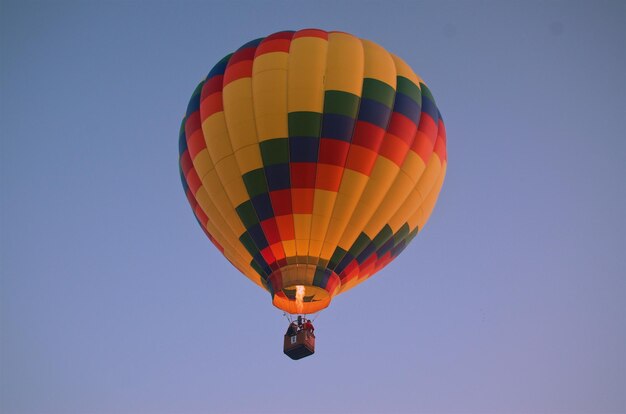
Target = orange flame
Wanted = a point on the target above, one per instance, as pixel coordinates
(299, 298)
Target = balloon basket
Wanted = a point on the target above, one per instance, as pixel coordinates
(300, 345)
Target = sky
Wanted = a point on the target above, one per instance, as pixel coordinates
(512, 299)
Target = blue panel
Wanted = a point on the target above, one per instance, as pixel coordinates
(220, 67)
(256, 232)
(429, 107)
(263, 206)
(344, 263)
(194, 102)
(374, 112)
(277, 177)
(182, 138)
(303, 149)
(385, 248)
(407, 107)
(252, 43)
(337, 126)
(366, 253)
(184, 180)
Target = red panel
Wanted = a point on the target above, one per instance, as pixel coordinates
(279, 35)
(285, 226)
(281, 202)
(303, 174)
(394, 149)
(196, 143)
(368, 135)
(302, 200)
(240, 56)
(192, 124)
(422, 146)
(278, 45)
(333, 151)
(361, 159)
(211, 104)
(201, 216)
(193, 181)
(402, 127)
(311, 33)
(427, 126)
(238, 71)
(268, 256)
(279, 252)
(192, 200)
(211, 86)
(270, 228)
(440, 145)
(185, 162)
(328, 177)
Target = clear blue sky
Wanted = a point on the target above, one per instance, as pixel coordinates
(512, 299)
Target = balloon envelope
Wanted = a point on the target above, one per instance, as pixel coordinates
(311, 158)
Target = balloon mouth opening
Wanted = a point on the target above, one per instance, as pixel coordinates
(313, 300)
(303, 288)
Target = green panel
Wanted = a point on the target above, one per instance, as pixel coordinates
(381, 238)
(318, 277)
(275, 151)
(248, 243)
(342, 103)
(378, 91)
(337, 256)
(426, 93)
(408, 88)
(255, 182)
(401, 234)
(360, 243)
(258, 269)
(304, 124)
(247, 214)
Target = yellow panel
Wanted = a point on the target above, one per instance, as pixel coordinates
(214, 188)
(428, 205)
(336, 228)
(315, 247)
(270, 102)
(413, 166)
(233, 219)
(379, 64)
(352, 182)
(393, 201)
(307, 65)
(344, 71)
(405, 70)
(249, 158)
(228, 169)
(216, 137)
(202, 163)
(239, 113)
(290, 248)
(384, 169)
(345, 205)
(323, 202)
(302, 226)
(217, 227)
(417, 194)
(236, 191)
(270, 61)
(319, 225)
(431, 173)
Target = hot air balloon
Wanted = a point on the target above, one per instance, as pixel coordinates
(311, 159)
